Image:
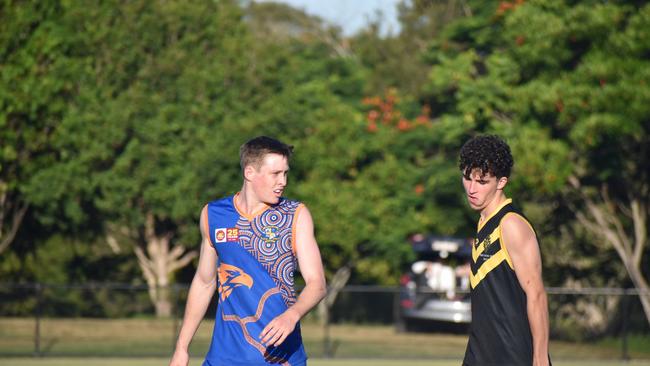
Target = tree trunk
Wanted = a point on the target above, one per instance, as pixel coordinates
(337, 283)
(603, 220)
(13, 212)
(158, 263)
(163, 302)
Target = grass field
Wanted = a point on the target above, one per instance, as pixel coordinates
(127, 342)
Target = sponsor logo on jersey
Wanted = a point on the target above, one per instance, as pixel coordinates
(270, 233)
(224, 234)
(232, 234)
(220, 235)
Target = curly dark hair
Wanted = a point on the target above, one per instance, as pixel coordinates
(488, 153)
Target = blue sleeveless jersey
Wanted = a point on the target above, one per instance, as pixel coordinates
(255, 283)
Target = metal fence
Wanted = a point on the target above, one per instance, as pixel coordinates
(103, 319)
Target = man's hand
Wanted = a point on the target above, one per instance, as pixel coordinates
(180, 358)
(279, 328)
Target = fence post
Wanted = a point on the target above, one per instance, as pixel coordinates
(625, 355)
(327, 341)
(175, 307)
(398, 322)
(37, 331)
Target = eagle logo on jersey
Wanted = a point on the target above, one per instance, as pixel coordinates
(231, 277)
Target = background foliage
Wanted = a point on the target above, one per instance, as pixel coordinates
(119, 121)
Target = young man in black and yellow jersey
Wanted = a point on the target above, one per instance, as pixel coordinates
(509, 305)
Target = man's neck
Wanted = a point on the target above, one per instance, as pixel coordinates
(498, 199)
(247, 202)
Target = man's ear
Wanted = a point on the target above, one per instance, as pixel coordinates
(501, 183)
(249, 172)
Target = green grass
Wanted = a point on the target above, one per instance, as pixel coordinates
(132, 339)
(637, 345)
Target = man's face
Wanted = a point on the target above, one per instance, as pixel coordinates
(481, 189)
(270, 179)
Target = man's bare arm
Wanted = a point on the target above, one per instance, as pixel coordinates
(311, 268)
(523, 248)
(201, 291)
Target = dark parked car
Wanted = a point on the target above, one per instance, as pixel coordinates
(435, 289)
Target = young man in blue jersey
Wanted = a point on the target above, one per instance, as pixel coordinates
(250, 244)
(509, 305)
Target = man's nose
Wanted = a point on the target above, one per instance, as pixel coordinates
(471, 188)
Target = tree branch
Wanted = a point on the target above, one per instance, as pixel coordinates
(147, 270)
(3, 199)
(626, 211)
(187, 258)
(113, 244)
(640, 230)
(146, 265)
(338, 281)
(613, 219)
(575, 183)
(18, 217)
(149, 227)
(175, 253)
(467, 9)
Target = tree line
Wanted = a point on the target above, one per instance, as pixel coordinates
(120, 120)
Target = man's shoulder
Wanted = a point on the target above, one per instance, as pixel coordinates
(515, 228)
(223, 201)
(514, 217)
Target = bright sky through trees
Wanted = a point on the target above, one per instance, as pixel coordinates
(350, 15)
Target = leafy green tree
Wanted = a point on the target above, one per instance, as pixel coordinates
(168, 96)
(155, 110)
(376, 180)
(37, 69)
(565, 83)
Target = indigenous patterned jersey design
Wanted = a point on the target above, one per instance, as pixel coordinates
(255, 282)
(499, 332)
(269, 238)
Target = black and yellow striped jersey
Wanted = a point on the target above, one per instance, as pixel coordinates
(500, 332)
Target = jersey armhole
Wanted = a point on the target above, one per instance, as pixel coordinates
(294, 229)
(504, 247)
(206, 225)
